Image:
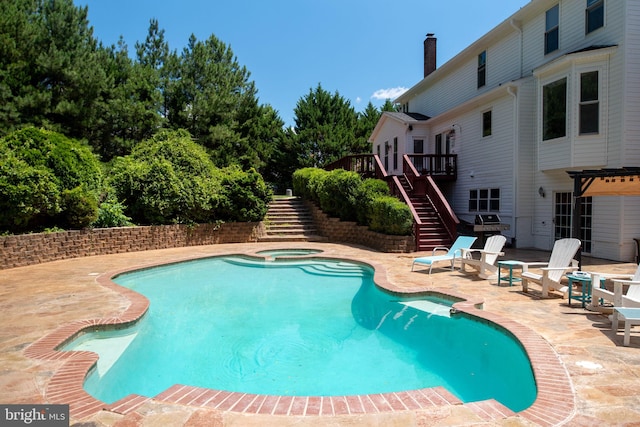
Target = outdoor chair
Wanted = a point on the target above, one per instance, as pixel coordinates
(618, 297)
(560, 262)
(485, 266)
(452, 253)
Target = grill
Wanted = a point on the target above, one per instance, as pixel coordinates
(487, 225)
(489, 222)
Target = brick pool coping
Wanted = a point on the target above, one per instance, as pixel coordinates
(554, 404)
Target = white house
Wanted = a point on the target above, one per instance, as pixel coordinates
(554, 88)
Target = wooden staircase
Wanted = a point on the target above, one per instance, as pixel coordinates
(431, 233)
(289, 220)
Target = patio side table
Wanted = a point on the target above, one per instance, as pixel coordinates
(631, 316)
(510, 265)
(585, 283)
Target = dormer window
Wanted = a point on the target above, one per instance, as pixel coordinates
(594, 16)
(482, 69)
(551, 35)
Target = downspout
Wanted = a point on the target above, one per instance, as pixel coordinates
(517, 26)
(511, 90)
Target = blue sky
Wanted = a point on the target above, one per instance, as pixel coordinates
(365, 50)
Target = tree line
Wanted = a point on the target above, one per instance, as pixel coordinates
(55, 75)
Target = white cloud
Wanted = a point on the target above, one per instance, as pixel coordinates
(358, 100)
(391, 93)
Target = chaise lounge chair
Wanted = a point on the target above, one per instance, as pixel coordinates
(454, 252)
(486, 265)
(619, 299)
(560, 262)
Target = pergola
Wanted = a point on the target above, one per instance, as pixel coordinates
(602, 182)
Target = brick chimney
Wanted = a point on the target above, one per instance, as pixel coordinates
(429, 54)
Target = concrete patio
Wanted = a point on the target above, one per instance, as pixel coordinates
(603, 375)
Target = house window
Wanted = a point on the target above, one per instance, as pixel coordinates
(589, 104)
(418, 146)
(486, 123)
(554, 110)
(484, 200)
(482, 69)
(551, 35)
(395, 153)
(594, 16)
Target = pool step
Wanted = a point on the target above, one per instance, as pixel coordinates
(289, 220)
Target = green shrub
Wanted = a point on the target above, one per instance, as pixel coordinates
(390, 216)
(111, 214)
(46, 181)
(338, 194)
(245, 195)
(80, 208)
(365, 193)
(307, 183)
(72, 162)
(168, 179)
(29, 196)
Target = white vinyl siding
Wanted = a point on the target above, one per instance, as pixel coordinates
(514, 158)
(631, 92)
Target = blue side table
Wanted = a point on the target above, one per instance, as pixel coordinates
(509, 265)
(585, 284)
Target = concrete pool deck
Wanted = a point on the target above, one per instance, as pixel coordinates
(588, 377)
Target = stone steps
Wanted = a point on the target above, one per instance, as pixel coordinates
(289, 220)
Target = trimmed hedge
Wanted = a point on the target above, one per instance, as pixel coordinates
(345, 195)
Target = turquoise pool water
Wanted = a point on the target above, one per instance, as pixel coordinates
(299, 327)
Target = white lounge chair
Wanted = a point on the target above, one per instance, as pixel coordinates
(560, 262)
(619, 299)
(452, 253)
(486, 265)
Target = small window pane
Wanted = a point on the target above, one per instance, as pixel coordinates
(589, 86)
(486, 123)
(553, 18)
(495, 193)
(551, 41)
(594, 15)
(482, 69)
(589, 118)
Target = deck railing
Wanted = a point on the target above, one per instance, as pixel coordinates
(439, 166)
(367, 165)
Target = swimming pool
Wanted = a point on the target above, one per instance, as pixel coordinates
(242, 324)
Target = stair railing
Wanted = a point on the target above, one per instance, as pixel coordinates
(424, 184)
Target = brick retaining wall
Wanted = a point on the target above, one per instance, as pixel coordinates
(350, 232)
(27, 249)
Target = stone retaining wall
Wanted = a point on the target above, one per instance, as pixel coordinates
(350, 232)
(27, 249)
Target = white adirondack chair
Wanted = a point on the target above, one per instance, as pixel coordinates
(619, 299)
(560, 262)
(486, 265)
